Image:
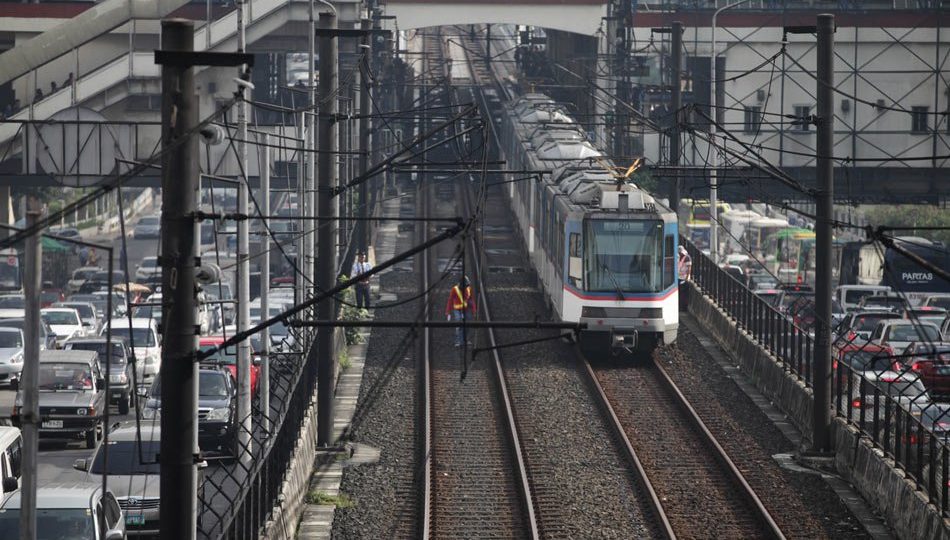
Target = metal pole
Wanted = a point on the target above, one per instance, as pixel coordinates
(265, 287)
(365, 52)
(243, 273)
(620, 64)
(677, 100)
(325, 263)
(307, 205)
(488, 45)
(30, 375)
(299, 292)
(823, 232)
(179, 420)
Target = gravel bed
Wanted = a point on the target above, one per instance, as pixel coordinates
(802, 504)
(581, 484)
(385, 493)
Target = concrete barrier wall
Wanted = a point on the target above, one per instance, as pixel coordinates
(856, 460)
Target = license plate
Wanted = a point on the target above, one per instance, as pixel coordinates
(137, 519)
(52, 424)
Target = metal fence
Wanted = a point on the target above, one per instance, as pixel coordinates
(909, 428)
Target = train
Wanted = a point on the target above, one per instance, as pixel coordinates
(605, 251)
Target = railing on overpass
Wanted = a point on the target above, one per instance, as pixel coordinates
(886, 406)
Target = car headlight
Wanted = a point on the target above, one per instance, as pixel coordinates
(118, 378)
(149, 413)
(219, 414)
(81, 412)
(18, 359)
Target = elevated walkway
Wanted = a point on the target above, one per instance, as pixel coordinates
(578, 16)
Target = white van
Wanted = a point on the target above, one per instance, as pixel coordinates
(144, 341)
(850, 295)
(11, 457)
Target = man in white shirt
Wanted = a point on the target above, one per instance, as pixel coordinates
(362, 287)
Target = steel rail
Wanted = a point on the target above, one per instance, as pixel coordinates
(762, 513)
(425, 372)
(627, 447)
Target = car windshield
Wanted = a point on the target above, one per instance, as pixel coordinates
(904, 387)
(910, 332)
(210, 384)
(118, 351)
(10, 340)
(218, 291)
(227, 356)
(148, 312)
(149, 262)
(889, 301)
(868, 361)
(124, 458)
(65, 376)
(867, 323)
(854, 296)
(931, 349)
(137, 337)
(85, 311)
(13, 302)
(149, 220)
(773, 298)
(941, 302)
(51, 524)
(61, 317)
(83, 273)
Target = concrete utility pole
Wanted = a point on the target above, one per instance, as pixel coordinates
(30, 413)
(301, 240)
(676, 68)
(265, 285)
(365, 148)
(243, 270)
(824, 202)
(325, 263)
(179, 373)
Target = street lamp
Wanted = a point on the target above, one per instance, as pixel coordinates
(713, 170)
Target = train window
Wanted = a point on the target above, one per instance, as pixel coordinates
(574, 264)
(669, 261)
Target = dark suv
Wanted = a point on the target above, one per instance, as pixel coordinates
(217, 408)
(120, 369)
(72, 397)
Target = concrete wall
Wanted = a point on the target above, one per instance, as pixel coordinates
(856, 460)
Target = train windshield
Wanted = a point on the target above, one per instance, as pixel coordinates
(624, 255)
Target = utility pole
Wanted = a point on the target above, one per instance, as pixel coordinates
(620, 75)
(301, 239)
(30, 414)
(677, 102)
(824, 202)
(325, 263)
(365, 82)
(265, 285)
(179, 420)
(488, 46)
(244, 427)
(308, 205)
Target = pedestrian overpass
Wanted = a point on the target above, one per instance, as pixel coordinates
(578, 16)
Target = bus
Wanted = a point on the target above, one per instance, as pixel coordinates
(905, 276)
(790, 255)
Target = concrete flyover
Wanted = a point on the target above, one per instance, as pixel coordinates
(577, 16)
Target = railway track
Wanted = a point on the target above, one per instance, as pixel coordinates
(699, 489)
(475, 484)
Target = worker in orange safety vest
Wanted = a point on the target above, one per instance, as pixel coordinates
(459, 303)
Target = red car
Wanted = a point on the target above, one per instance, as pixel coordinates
(865, 357)
(228, 359)
(932, 362)
(48, 297)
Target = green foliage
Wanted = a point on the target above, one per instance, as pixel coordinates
(350, 312)
(911, 215)
(645, 181)
(340, 501)
(344, 360)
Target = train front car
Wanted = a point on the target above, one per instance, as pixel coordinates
(628, 295)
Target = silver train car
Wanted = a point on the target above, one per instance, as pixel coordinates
(605, 251)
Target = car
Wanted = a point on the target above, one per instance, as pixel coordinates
(48, 297)
(906, 390)
(941, 300)
(757, 281)
(12, 301)
(849, 296)
(148, 270)
(772, 296)
(133, 473)
(863, 358)
(899, 333)
(147, 227)
(11, 356)
(121, 376)
(931, 361)
(150, 309)
(71, 394)
(880, 301)
(47, 336)
(67, 511)
(217, 409)
(87, 313)
(945, 328)
(65, 322)
(79, 277)
(858, 326)
(142, 337)
(227, 358)
(932, 314)
(99, 281)
(71, 233)
(11, 457)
